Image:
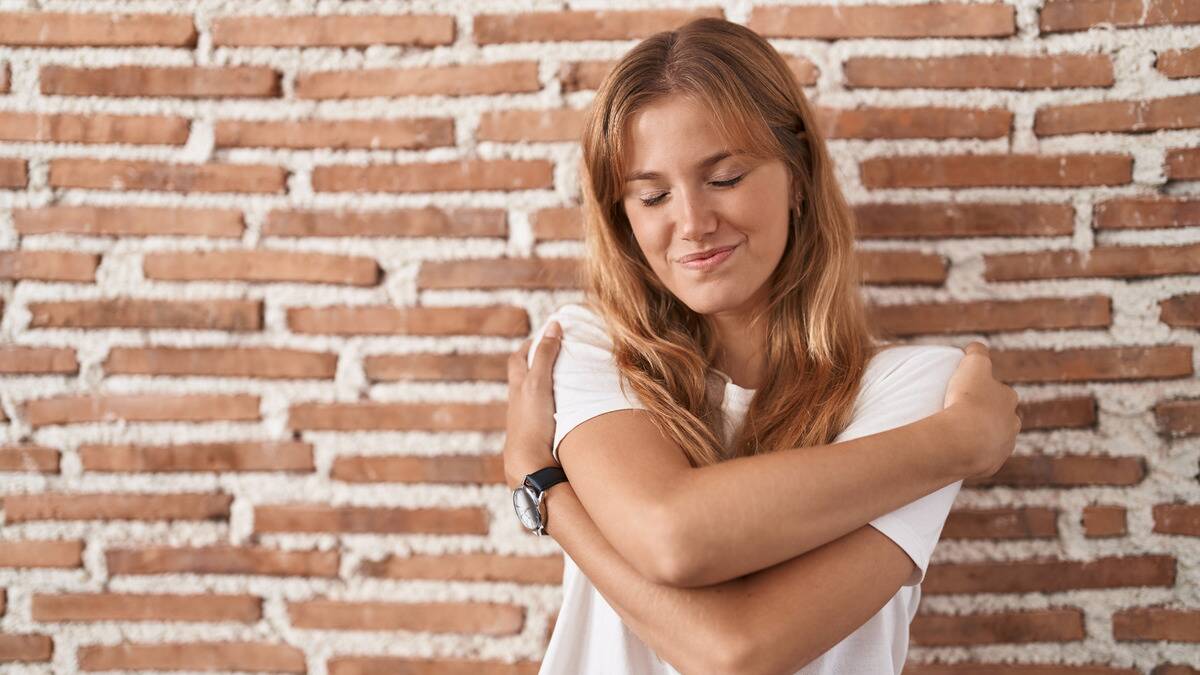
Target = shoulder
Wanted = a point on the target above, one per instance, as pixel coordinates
(908, 370)
(584, 335)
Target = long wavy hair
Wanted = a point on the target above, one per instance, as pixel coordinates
(818, 336)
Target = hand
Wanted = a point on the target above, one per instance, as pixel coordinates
(530, 424)
(982, 412)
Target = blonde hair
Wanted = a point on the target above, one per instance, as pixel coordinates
(818, 337)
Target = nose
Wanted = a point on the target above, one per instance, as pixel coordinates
(694, 217)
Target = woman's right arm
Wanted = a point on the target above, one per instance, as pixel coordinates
(697, 527)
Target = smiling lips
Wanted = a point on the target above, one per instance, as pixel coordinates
(707, 259)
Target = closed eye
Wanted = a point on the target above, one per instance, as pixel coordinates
(658, 198)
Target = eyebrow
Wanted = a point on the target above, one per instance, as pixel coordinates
(703, 164)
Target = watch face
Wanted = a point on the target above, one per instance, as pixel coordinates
(527, 509)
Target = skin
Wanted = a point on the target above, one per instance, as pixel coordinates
(679, 202)
(781, 584)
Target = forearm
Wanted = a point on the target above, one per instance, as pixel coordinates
(735, 517)
(776, 619)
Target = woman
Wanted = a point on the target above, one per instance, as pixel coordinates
(755, 485)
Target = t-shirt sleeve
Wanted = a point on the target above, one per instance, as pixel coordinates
(902, 385)
(586, 380)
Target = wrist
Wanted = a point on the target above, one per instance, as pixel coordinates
(951, 443)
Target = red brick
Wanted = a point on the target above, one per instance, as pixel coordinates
(561, 124)
(4, 79)
(1156, 623)
(1095, 364)
(12, 173)
(216, 456)
(917, 122)
(221, 362)
(583, 75)
(41, 553)
(511, 77)
(172, 81)
(579, 25)
(910, 21)
(221, 559)
(207, 656)
(420, 222)
(546, 569)
(1007, 523)
(29, 458)
(414, 30)
(388, 665)
(157, 407)
(117, 506)
(100, 29)
(398, 416)
(1053, 576)
(1179, 418)
(1129, 262)
(476, 618)
(369, 519)
(528, 273)
(48, 265)
(499, 174)
(973, 668)
(1104, 521)
(446, 367)
(1064, 472)
(119, 174)
(1072, 15)
(950, 219)
(1176, 112)
(262, 265)
(1173, 669)
(1146, 212)
(216, 314)
(124, 221)
(29, 648)
(1177, 519)
(1181, 311)
(1041, 625)
(145, 607)
(387, 320)
(999, 71)
(902, 267)
(1075, 412)
(1179, 63)
(382, 134)
(997, 171)
(1183, 164)
(557, 223)
(93, 128)
(19, 360)
(485, 469)
(992, 316)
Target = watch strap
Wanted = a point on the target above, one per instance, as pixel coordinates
(543, 479)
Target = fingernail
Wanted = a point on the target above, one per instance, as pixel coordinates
(554, 330)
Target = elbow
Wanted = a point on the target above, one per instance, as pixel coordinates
(666, 555)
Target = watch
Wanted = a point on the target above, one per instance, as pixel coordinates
(527, 499)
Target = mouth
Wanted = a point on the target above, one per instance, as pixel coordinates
(711, 261)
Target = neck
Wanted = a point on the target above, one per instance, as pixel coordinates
(740, 353)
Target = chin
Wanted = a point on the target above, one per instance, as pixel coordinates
(711, 303)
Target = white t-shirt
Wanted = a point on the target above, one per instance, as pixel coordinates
(901, 384)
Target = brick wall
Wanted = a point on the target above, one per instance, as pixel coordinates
(259, 274)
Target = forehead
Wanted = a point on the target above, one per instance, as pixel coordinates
(674, 132)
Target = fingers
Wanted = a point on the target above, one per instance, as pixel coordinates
(516, 363)
(977, 347)
(543, 360)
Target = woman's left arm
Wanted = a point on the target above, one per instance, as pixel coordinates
(774, 620)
